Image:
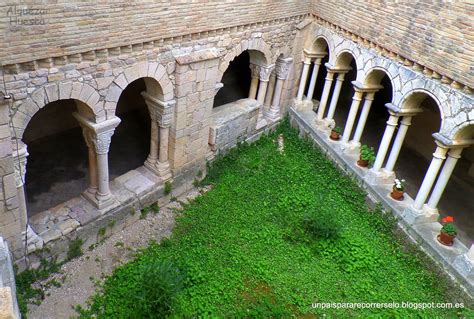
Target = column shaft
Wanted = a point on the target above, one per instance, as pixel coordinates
(153, 156)
(269, 95)
(385, 143)
(314, 77)
(164, 135)
(438, 157)
(254, 81)
(352, 115)
(448, 167)
(92, 170)
(335, 96)
(369, 98)
(325, 95)
(262, 91)
(397, 144)
(304, 76)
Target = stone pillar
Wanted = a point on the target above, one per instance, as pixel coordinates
(264, 76)
(369, 98)
(254, 81)
(397, 144)
(352, 115)
(335, 95)
(448, 167)
(438, 157)
(281, 69)
(269, 95)
(304, 77)
(385, 143)
(161, 114)
(93, 179)
(100, 134)
(314, 77)
(325, 95)
(20, 155)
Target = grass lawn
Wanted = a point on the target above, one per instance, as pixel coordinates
(276, 234)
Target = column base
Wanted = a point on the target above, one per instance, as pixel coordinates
(465, 266)
(351, 148)
(419, 216)
(272, 115)
(162, 170)
(379, 178)
(34, 242)
(99, 201)
(303, 105)
(261, 123)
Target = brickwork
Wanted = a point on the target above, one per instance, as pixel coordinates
(436, 34)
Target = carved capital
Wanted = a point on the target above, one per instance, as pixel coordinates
(264, 72)
(254, 71)
(282, 67)
(20, 155)
(102, 141)
(160, 111)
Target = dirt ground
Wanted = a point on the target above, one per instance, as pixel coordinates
(79, 277)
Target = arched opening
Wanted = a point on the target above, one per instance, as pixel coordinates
(130, 144)
(57, 165)
(418, 146)
(377, 119)
(236, 81)
(320, 48)
(347, 92)
(457, 197)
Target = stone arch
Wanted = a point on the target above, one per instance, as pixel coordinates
(414, 97)
(259, 51)
(374, 76)
(150, 70)
(463, 133)
(87, 99)
(328, 37)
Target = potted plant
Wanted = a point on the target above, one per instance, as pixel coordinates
(367, 156)
(448, 231)
(335, 133)
(398, 189)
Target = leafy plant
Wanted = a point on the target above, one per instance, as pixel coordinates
(367, 154)
(448, 226)
(399, 184)
(337, 130)
(168, 187)
(75, 248)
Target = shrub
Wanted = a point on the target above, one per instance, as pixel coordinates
(168, 187)
(160, 282)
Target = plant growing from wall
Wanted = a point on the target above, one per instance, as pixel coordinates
(168, 187)
(367, 156)
(75, 248)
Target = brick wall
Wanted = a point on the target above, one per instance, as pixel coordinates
(436, 34)
(79, 26)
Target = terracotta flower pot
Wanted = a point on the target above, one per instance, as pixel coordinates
(396, 194)
(363, 163)
(335, 136)
(445, 238)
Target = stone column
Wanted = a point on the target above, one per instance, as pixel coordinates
(304, 77)
(20, 155)
(438, 157)
(264, 76)
(352, 115)
(385, 143)
(397, 144)
(369, 98)
(335, 95)
(325, 95)
(93, 184)
(448, 167)
(281, 69)
(254, 81)
(314, 77)
(161, 114)
(269, 95)
(100, 134)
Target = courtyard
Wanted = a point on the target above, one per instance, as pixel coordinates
(281, 230)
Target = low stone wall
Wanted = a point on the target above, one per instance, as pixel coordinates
(8, 302)
(233, 123)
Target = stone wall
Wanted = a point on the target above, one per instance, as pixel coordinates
(9, 304)
(436, 34)
(77, 26)
(233, 123)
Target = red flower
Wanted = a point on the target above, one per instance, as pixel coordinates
(448, 219)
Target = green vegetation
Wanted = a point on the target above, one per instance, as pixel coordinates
(367, 154)
(75, 248)
(168, 187)
(277, 233)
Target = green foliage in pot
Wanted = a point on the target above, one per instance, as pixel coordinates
(367, 153)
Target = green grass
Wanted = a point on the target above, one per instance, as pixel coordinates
(277, 233)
